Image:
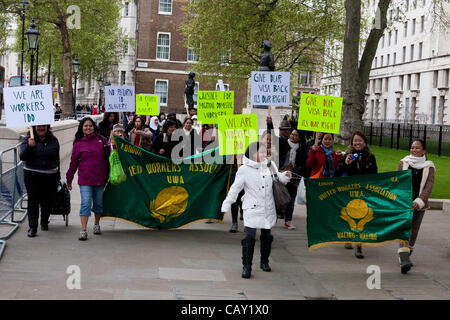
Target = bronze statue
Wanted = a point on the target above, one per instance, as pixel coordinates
(267, 59)
(189, 90)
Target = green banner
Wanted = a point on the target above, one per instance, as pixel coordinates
(369, 209)
(160, 194)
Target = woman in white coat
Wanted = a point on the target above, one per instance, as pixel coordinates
(255, 177)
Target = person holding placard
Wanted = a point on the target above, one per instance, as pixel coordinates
(189, 137)
(90, 156)
(255, 178)
(358, 160)
(155, 128)
(40, 152)
(322, 159)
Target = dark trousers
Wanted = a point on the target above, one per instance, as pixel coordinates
(290, 209)
(235, 207)
(251, 233)
(41, 189)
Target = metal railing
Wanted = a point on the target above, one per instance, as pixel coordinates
(12, 192)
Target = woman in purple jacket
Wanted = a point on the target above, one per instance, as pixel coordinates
(89, 155)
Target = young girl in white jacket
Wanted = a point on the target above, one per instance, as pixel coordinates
(255, 177)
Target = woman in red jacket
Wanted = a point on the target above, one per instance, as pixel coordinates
(322, 159)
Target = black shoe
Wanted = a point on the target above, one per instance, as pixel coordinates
(247, 272)
(234, 227)
(265, 266)
(358, 252)
(44, 228)
(405, 263)
(31, 233)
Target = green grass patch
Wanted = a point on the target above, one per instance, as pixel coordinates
(388, 160)
(432, 146)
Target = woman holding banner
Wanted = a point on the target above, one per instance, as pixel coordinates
(40, 152)
(423, 172)
(90, 155)
(358, 160)
(255, 177)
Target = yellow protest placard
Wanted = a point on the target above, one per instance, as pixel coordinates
(320, 113)
(147, 104)
(213, 104)
(237, 132)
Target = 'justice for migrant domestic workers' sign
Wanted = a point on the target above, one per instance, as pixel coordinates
(29, 106)
(270, 88)
(213, 104)
(120, 99)
(320, 113)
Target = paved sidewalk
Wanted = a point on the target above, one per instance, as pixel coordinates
(203, 261)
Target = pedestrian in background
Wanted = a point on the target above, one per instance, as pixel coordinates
(90, 155)
(41, 174)
(358, 160)
(106, 125)
(255, 177)
(423, 172)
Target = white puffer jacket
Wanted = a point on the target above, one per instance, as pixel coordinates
(257, 203)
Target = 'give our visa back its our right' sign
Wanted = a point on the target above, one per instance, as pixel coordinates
(320, 113)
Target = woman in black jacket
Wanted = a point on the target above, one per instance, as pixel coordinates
(106, 125)
(358, 160)
(163, 144)
(41, 174)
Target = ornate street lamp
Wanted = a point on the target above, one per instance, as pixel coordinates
(33, 42)
(100, 85)
(24, 4)
(75, 71)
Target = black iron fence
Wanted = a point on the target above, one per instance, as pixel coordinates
(401, 135)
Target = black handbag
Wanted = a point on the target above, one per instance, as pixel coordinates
(61, 202)
(281, 195)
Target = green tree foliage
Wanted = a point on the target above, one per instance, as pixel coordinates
(228, 34)
(96, 40)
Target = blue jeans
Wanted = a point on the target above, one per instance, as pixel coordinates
(290, 210)
(91, 200)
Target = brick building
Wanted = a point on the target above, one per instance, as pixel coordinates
(162, 61)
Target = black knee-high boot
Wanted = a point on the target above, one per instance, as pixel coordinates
(405, 263)
(248, 246)
(266, 246)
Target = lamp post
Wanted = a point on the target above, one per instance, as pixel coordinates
(100, 85)
(24, 5)
(75, 71)
(37, 62)
(33, 41)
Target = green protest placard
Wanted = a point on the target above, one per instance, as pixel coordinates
(213, 104)
(320, 113)
(147, 104)
(237, 132)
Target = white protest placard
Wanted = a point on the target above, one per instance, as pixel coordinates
(120, 99)
(270, 88)
(29, 106)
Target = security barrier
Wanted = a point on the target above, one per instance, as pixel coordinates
(12, 192)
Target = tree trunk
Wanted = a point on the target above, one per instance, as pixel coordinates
(67, 104)
(355, 74)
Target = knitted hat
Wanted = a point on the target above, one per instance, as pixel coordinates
(285, 125)
(118, 127)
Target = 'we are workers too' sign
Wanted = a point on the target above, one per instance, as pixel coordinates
(29, 106)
